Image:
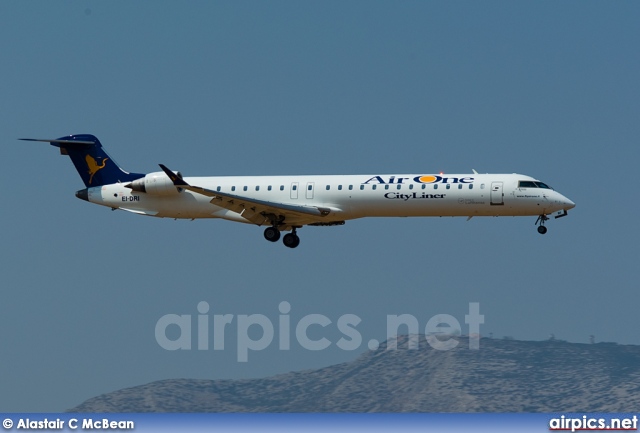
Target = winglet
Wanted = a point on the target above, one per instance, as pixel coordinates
(174, 177)
(474, 171)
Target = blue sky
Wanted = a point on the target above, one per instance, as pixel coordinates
(548, 89)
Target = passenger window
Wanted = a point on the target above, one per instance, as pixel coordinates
(339, 187)
(257, 188)
(373, 186)
(470, 186)
(295, 187)
(233, 188)
(435, 186)
(399, 186)
(218, 189)
(328, 187)
(350, 187)
(424, 186)
(448, 186)
(269, 188)
(386, 187)
(459, 186)
(309, 187)
(361, 187)
(281, 187)
(411, 186)
(482, 186)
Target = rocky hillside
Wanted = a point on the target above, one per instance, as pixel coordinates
(503, 376)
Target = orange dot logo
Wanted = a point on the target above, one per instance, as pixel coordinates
(427, 179)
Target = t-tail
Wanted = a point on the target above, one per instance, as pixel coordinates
(95, 167)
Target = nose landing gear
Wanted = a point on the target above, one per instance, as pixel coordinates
(541, 220)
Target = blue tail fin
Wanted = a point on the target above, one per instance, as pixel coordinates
(95, 167)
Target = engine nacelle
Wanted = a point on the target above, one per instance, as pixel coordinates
(157, 183)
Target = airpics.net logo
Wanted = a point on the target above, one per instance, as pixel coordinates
(256, 332)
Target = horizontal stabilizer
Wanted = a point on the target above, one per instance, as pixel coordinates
(58, 142)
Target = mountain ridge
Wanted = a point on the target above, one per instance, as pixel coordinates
(502, 376)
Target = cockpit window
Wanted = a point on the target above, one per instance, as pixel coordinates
(543, 185)
(532, 184)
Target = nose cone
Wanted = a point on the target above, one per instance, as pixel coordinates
(568, 204)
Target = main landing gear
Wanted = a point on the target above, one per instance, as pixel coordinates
(290, 240)
(541, 220)
(272, 234)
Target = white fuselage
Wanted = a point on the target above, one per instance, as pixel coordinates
(348, 197)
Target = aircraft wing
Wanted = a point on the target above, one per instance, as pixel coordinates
(254, 210)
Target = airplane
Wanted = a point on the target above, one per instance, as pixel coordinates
(287, 203)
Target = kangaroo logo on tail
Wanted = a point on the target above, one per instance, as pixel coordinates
(93, 166)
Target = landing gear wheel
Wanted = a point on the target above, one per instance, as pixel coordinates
(271, 234)
(291, 240)
(541, 220)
